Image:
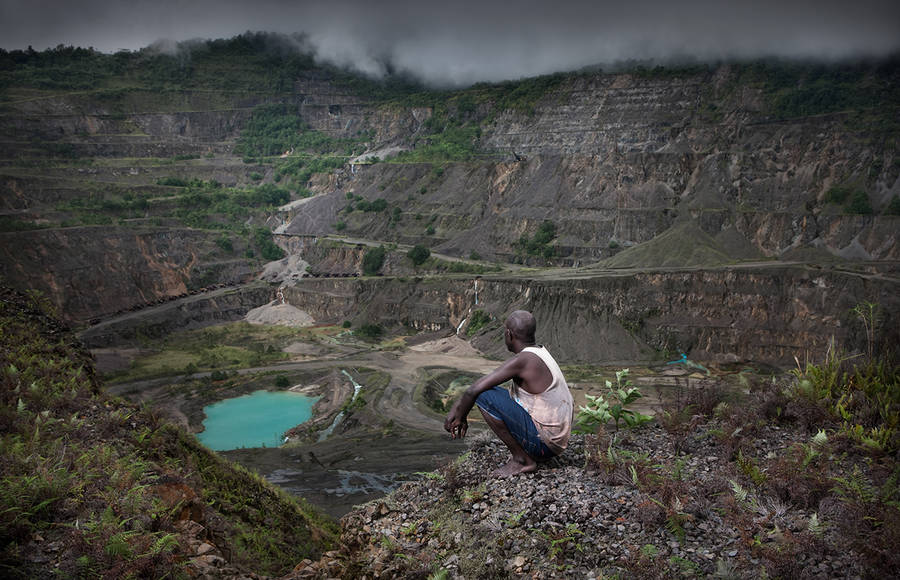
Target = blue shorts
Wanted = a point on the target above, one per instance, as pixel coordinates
(497, 403)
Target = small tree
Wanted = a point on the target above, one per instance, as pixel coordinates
(373, 260)
(267, 248)
(370, 331)
(859, 203)
(418, 254)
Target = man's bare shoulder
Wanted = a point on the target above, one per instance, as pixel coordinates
(534, 372)
(527, 357)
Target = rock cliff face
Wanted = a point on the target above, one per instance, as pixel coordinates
(767, 314)
(617, 159)
(98, 271)
(216, 307)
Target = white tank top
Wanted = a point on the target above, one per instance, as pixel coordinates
(551, 410)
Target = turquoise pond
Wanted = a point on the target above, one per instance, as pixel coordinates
(256, 420)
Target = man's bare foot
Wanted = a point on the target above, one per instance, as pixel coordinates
(515, 467)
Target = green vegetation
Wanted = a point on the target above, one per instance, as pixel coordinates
(859, 203)
(217, 348)
(108, 483)
(602, 409)
(263, 239)
(893, 207)
(379, 204)
(278, 129)
(13, 224)
(448, 141)
(797, 89)
(865, 399)
(251, 62)
(852, 199)
(455, 127)
(373, 260)
(192, 202)
(479, 319)
(418, 254)
(358, 203)
(370, 331)
(539, 244)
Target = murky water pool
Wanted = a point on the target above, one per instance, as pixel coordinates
(255, 420)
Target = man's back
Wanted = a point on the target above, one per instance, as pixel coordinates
(552, 407)
(535, 377)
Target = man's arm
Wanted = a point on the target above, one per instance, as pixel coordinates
(456, 420)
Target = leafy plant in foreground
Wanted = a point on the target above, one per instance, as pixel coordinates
(600, 410)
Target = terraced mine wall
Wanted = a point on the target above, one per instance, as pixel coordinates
(615, 160)
(216, 307)
(101, 271)
(768, 314)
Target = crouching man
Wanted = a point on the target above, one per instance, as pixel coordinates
(534, 420)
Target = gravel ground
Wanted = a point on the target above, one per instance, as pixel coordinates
(627, 506)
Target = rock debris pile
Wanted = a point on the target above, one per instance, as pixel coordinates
(626, 505)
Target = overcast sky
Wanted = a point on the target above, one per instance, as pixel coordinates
(463, 41)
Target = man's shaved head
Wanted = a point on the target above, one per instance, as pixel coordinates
(522, 326)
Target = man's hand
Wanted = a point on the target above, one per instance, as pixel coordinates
(456, 425)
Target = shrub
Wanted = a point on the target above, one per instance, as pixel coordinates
(893, 207)
(866, 398)
(837, 194)
(539, 244)
(172, 182)
(224, 242)
(274, 129)
(267, 248)
(600, 410)
(379, 204)
(418, 254)
(859, 203)
(370, 331)
(854, 200)
(373, 260)
(479, 319)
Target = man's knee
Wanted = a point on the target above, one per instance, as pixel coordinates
(491, 402)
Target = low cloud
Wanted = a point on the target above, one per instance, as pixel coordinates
(458, 43)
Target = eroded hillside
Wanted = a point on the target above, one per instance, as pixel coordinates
(96, 487)
(138, 178)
